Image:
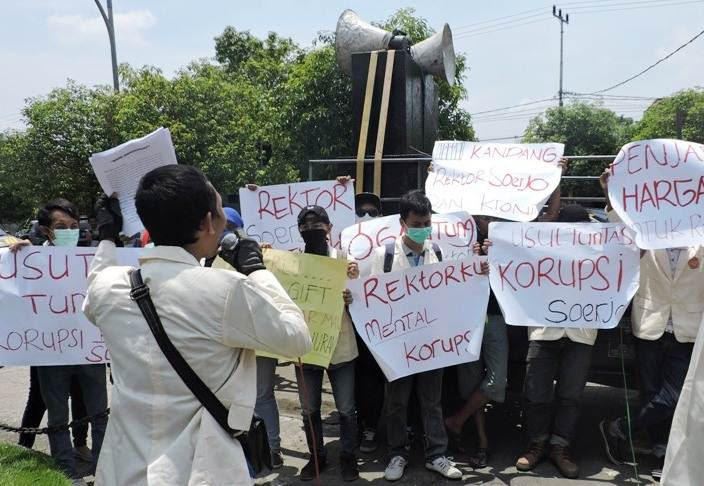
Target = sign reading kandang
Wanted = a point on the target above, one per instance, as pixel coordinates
(563, 274)
(270, 213)
(657, 189)
(509, 181)
(422, 318)
(41, 297)
(455, 233)
(315, 284)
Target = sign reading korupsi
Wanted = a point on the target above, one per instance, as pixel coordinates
(41, 297)
(509, 181)
(315, 284)
(657, 188)
(580, 275)
(422, 318)
(270, 212)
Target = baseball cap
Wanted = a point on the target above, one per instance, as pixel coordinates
(367, 198)
(317, 210)
(233, 217)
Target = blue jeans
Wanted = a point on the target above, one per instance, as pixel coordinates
(55, 385)
(663, 366)
(489, 373)
(266, 406)
(341, 378)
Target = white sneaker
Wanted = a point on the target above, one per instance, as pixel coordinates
(395, 469)
(78, 482)
(445, 467)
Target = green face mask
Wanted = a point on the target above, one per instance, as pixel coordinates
(419, 235)
(66, 237)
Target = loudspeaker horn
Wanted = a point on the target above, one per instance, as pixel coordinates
(436, 55)
(355, 35)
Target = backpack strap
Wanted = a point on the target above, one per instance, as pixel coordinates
(389, 256)
(437, 250)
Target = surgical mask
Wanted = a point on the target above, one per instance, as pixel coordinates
(419, 235)
(66, 237)
(362, 219)
(316, 241)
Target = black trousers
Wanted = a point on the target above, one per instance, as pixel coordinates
(368, 388)
(35, 409)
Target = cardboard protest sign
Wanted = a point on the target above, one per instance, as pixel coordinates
(509, 181)
(315, 284)
(580, 275)
(270, 212)
(422, 318)
(657, 189)
(455, 233)
(41, 297)
(120, 169)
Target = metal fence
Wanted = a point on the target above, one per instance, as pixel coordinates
(312, 163)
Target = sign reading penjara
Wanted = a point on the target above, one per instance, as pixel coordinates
(270, 213)
(422, 318)
(509, 181)
(579, 275)
(455, 233)
(657, 189)
(41, 297)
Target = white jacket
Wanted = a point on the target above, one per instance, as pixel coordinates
(660, 294)
(158, 434)
(683, 461)
(400, 259)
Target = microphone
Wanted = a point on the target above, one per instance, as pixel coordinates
(229, 245)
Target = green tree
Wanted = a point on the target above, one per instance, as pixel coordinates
(660, 119)
(585, 129)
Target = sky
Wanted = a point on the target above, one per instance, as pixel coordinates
(512, 47)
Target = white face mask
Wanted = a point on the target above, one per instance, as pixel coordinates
(66, 237)
(364, 218)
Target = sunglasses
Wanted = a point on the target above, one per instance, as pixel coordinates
(374, 212)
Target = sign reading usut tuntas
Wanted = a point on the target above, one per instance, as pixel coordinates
(509, 181)
(422, 318)
(580, 275)
(455, 233)
(657, 189)
(270, 213)
(41, 296)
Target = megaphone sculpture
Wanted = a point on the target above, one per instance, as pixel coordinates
(435, 55)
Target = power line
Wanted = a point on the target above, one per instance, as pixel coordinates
(514, 137)
(651, 66)
(669, 4)
(514, 106)
(482, 32)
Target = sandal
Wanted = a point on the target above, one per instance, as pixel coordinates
(480, 458)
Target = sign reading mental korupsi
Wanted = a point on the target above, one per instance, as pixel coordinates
(657, 189)
(455, 233)
(315, 284)
(41, 296)
(509, 181)
(270, 213)
(580, 275)
(422, 318)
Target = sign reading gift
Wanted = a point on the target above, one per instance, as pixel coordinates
(657, 189)
(509, 181)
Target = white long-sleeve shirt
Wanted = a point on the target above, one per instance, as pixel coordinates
(158, 433)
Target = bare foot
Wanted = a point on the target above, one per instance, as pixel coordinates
(453, 426)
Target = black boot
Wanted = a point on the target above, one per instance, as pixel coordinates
(308, 471)
(348, 467)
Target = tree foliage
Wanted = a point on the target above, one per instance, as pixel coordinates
(660, 119)
(256, 115)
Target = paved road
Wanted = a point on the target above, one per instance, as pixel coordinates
(504, 429)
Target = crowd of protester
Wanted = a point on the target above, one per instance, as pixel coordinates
(185, 224)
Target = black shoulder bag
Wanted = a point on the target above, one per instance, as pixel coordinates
(254, 442)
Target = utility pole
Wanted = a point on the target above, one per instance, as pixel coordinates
(566, 20)
(109, 23)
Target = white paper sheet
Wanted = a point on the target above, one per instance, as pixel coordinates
(119, 170)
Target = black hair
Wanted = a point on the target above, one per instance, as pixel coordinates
(59, 204)
(172, 202)
(415, 202)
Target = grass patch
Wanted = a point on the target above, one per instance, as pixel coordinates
(24, 467)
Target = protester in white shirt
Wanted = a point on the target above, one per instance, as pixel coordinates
(666, 316)
(158, 432)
